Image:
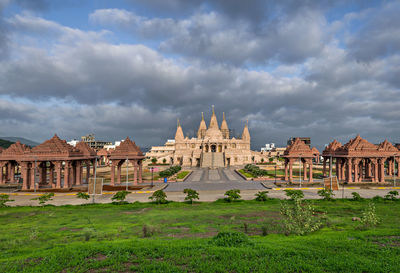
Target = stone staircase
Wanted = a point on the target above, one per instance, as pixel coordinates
(212, 160)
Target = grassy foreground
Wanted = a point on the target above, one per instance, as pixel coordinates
(110, 238)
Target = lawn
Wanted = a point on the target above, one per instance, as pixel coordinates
(110, 238)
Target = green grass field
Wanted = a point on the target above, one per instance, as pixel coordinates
(110, 238)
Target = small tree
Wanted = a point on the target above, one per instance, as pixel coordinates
(262, 160)
(232, 195)
(271, 160)
(4, 198)
(120, 196)
(261, 196)
(44, 198)
(298, 217)
(356, 196)
(369, 217)
(191, 195)
(391, 195)
(154, 160)
(326, 194)
(164, 161)
(82, 195)
(159, 197)
(294, 194)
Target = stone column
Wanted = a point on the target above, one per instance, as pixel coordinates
(7, 169)
(324, 167)
(305, 170)
(51, 174)
(338, 169)
(58, 165)
(310, 179)
(12, 173)
(32, 174)
(290, 170)
(119, 172)
(343, 169)
(78, 172)
(24, 175)
(87, 171)
(140, 172)
(286, 169)
(356, 179)
(135, 172)
(1, 174)
(113, 172)
(375, 177)
(398, 169)
(67, 171)
(382, 171)
(349, 171)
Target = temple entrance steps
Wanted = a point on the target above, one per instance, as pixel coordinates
(212, 160)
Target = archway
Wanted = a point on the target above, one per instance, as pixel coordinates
(219, 148)
(213, 148)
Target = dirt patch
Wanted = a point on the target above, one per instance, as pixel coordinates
(136, 211)
(386, 241)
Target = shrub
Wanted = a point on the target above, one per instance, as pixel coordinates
(271, 159)
(44, 198)
(377, 198)
(82, 195)
(299, 218)
(148, 231)
(391, 195)
(164, 161)
(326, 194)
(231, 239)
(88, 233)
(369, 217)
(154, 160)
(119, 197)
(262, 160)
(294, 194)
(261, 196)
(4, 198)
(232, 195)
(159, 197)
(356, 196)
(191, 195)
(170, 171)
(255, 170)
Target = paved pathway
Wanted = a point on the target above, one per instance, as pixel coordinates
(204, 179)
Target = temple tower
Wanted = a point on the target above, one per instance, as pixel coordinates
(202, 128)
(213, 121)
(224, 127)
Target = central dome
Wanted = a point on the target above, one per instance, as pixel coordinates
(214, 133)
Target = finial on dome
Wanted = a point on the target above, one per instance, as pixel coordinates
(213, 109)
(202, 116)
(223, 115)
(178, 123)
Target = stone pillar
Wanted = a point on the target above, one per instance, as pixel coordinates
(140, 172)
(58, 165)
(135, 172)
(119, 172)
(382, 171)
(338, 169)
(398, 169)
(305, 170)
(67, 171)
(324, 167)
(113, 172)
(24, 175)
(12, 173)
(1, 174)
(356, 179)
(375, 177)
(6, 170)
(290, 170)
(78, 172)
(349, 171)
(286, 169)
(51, 174)
(32, 174)
(343, 169)
(87, 171)
(310, 178)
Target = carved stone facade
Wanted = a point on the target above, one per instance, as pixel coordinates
(213, 147)
(52, 164)
(361, 161)
(299, 151)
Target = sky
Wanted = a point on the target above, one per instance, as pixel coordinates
(321, 69)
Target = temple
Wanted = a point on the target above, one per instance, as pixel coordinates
(56, 164)
(361, 161)
(213, 147)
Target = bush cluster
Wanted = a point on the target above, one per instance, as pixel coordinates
(170, 171)
(231, 239)
(255, 170)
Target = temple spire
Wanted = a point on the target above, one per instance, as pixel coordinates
(246, 133)
(179, 132)
(201, 132)
(213, 121)
(224, 127)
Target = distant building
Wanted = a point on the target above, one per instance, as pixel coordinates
(306, 140)
(268, 147)
(93, 143)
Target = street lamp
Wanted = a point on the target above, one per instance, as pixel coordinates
(330, 170)
(94, 184)
(300, 167)
(151, 168)
(127, 175)
(34, 177)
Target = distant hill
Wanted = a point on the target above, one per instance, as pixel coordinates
(5, 143)
(22, 140)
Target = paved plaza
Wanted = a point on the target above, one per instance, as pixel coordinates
(204, 179)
